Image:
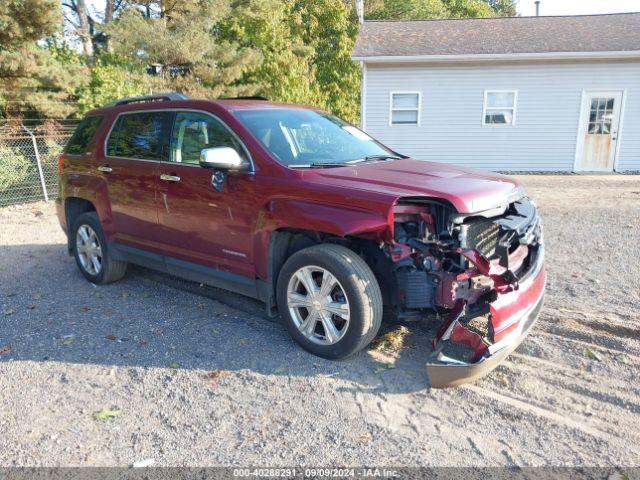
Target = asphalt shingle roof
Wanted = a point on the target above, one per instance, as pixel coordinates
(498, 36)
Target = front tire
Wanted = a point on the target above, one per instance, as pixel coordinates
(330, 300)
(91, 252)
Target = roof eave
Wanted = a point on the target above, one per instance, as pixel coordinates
(498, 57)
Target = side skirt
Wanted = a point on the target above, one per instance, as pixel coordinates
(194, 272)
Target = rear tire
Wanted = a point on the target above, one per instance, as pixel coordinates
(91, 251)
(327, 286)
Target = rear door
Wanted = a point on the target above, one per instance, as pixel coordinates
(136, 146)
(199, 223)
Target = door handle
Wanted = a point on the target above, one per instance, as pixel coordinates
(105, 169)
(170, 178)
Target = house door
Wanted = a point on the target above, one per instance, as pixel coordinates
(598, 137)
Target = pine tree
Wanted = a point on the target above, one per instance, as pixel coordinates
(175, 41)
(34, 77)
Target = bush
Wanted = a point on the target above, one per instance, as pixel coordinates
(14, 169)
(18, 177)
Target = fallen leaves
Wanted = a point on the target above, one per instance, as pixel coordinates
(9, 311)
(384, 368)
(174, 365)
(6, 350)
(111, 338)
(107, 413)
(214, 376)
(622, 359)
(592, 355)
(392, 341)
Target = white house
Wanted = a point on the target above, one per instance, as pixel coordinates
(516, 94)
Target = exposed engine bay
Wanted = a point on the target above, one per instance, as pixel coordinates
(458, 265)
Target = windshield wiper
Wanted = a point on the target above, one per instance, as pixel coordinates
(370, 158)
(319, 165)
(375, 158)
(327, 164)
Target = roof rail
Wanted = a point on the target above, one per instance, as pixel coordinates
(250, 97)
(160, 97)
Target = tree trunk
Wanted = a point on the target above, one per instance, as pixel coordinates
(108, 11)
(108, 17)
(83, 28)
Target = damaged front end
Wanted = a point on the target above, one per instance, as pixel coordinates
(483, 273)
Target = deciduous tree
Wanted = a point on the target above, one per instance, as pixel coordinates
(427, 9)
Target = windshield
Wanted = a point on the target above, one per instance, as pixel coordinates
(306, 138)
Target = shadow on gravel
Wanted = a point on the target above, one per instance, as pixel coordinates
(49, 312)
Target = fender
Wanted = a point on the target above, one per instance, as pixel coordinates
(92, 188)
(298, 214)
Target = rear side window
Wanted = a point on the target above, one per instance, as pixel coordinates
(79, 142)
(142, 135)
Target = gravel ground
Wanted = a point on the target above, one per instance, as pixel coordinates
(198, 377)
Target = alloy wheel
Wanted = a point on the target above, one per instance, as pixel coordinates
(318, 305)
(89, 250)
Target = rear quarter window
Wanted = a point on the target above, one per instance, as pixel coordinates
(143, 135)
(81, 138)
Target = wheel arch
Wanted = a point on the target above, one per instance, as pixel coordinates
(285, 242)
(73, 208)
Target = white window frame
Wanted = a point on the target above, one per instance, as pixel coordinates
(484, 109)
(391, 109)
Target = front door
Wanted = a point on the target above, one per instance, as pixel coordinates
(199, 223)
(598, 136)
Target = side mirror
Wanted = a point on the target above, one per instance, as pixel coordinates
(222, 158)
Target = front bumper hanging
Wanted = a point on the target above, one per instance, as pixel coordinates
(512, 315)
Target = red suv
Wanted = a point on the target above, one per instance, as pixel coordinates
(295, 207)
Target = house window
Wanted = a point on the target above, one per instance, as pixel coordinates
(499, 108)
(405, 108)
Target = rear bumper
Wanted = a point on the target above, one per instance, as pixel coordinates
(513, 315)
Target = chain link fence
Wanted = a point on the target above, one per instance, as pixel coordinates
(29, 152)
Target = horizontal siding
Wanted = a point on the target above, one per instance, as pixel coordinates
(629, 157)
(544, 137)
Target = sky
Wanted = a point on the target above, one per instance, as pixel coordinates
(577, 7)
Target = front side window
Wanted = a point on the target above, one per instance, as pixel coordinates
(405, 108)
(143, 135)
(194, 132)
(79, 142)
(499, 108)
(302, 138)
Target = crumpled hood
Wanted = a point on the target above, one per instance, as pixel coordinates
(468, 190)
